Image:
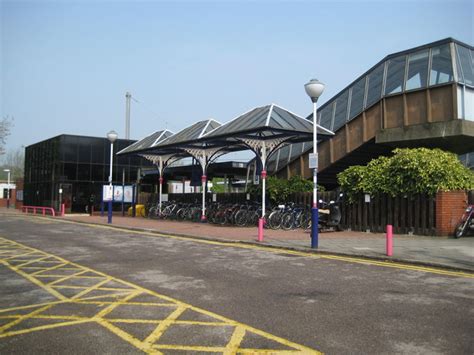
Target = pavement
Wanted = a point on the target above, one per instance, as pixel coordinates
(445, 252)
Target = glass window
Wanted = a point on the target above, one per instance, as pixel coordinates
(326, 116)
(374, 91)
(341, 110)
(69, 148)
(465, 62)
(395, 75)
(441, 66)
(97, 172)
(357, 99)
(84, 172)
(70, 171)
(84, 147)
(97, 148)
(417, 70)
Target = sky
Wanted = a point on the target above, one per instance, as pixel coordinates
(66, 65)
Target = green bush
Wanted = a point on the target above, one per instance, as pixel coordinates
(279, 190)
(408, 171)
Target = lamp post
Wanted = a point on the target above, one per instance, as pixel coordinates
(8, 187)
(112, 137)
(314, 88)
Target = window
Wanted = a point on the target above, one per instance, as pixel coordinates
(395, 75)
(441, 65)
(326, 116)
(417, 70)
(357, 100)
(341, 110)
(374, 91)
(465, 65)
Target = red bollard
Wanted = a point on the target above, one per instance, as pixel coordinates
(260, 229)
(63, 209)
(389, 240)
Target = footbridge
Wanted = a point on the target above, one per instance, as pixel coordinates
(421, 97)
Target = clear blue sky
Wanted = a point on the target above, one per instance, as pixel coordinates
(65, 66)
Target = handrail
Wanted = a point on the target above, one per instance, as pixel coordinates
(35, 208)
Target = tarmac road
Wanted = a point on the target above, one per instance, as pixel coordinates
(136, 292)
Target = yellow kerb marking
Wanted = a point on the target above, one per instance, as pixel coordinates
(278, 250)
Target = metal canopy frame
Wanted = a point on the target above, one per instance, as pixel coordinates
(262, 130)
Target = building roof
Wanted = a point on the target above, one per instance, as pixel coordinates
(264, 123)
(147, 142)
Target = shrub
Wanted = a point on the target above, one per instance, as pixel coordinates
(408, 171)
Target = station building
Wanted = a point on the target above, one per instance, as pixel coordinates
(78, 165)
(421, 97)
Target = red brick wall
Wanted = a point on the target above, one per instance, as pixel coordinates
(450, 206)
(3, 201)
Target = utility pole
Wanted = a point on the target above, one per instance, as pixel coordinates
(128, 96)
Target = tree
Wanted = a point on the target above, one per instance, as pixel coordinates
(15, 161)
(5, 126)
(408, 171)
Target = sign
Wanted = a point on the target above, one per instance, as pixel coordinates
(107, 193)
(128, 194)
(367, 198)
(214, 197)
(164, 197)
(60, 191)
(313, 161)
(118, 193)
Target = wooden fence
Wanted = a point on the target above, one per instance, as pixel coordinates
(413, 214)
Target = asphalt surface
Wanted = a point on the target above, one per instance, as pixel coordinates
(332, 305)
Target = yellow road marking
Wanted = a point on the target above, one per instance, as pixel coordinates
(151, 344)
(164, 325)
(235, 341)
(272, 249)
(278, 250)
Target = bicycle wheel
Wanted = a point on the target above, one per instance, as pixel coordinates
(274, 220)
(287, 221)
(305, 220)
(240, 218)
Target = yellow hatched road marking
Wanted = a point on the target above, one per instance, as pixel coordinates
(112, 300)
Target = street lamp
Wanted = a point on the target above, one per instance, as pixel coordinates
(314, 88)
(112, 137)
(8, 187)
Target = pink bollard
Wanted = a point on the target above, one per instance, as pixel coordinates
(63, 209)
(389, 240)
(261, 221)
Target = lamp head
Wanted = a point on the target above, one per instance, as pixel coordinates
(112, 136)
(6, 170)
(314, 88)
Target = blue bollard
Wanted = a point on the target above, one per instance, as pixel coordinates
(314, 227)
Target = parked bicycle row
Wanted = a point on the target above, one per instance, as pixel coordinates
(286, 217)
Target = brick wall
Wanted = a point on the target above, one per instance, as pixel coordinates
(450, 206)
(3, 201)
